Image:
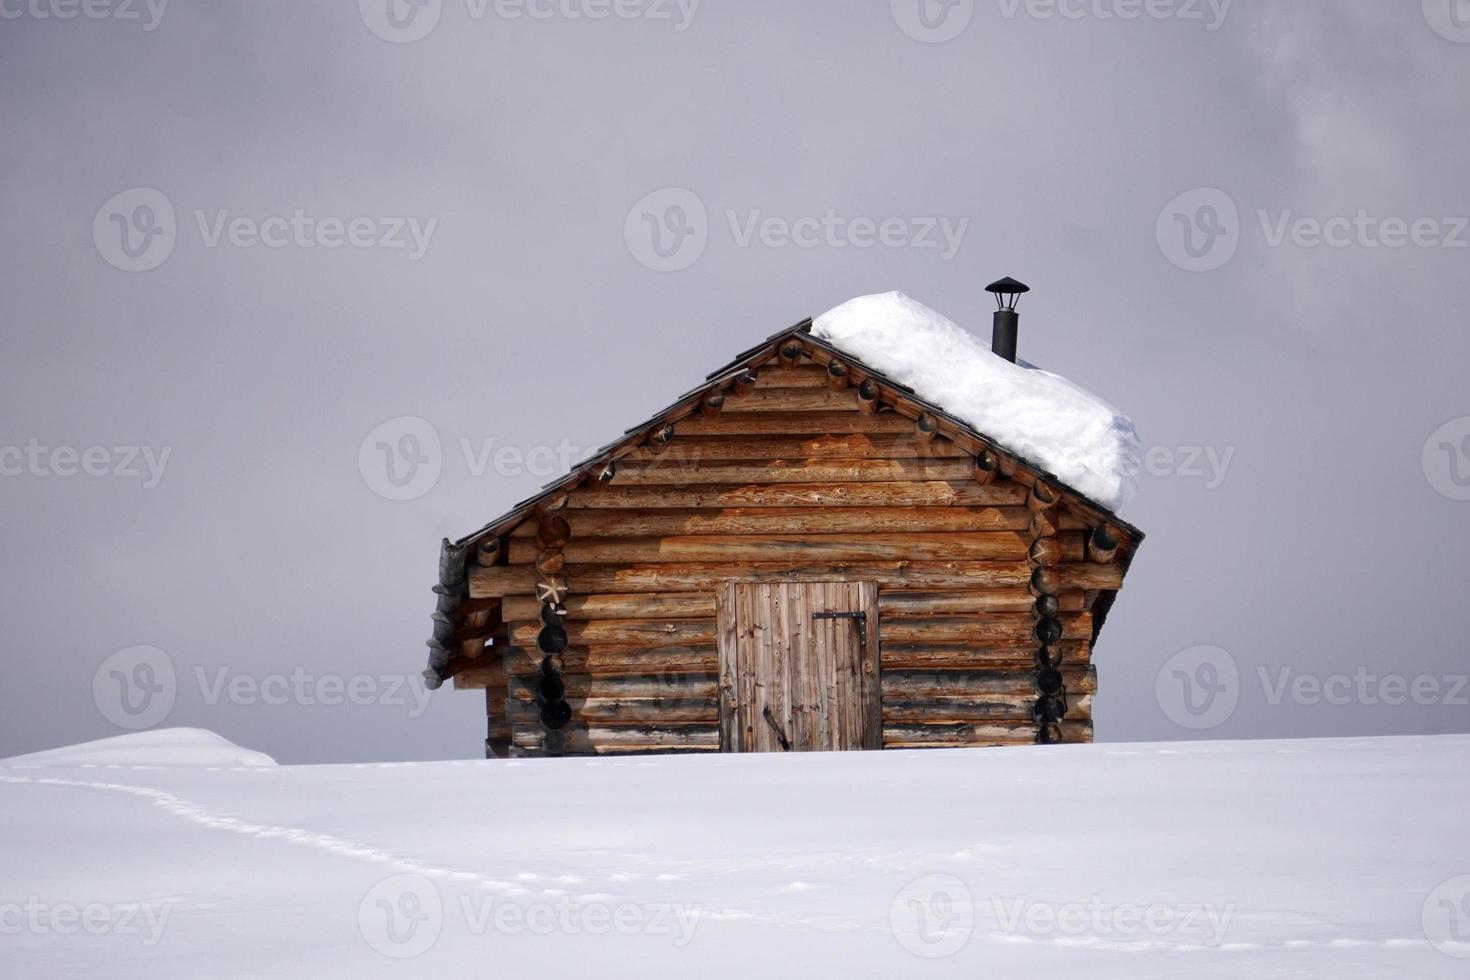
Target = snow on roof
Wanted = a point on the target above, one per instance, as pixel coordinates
(1044, 418)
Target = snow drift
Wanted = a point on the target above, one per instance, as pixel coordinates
(1042, 417)
(162, 747)
(1328, 858)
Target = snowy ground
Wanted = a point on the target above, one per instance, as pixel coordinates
(1338, 858)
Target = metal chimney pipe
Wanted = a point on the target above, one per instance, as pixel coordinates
(1007, 321)
(1003, 333)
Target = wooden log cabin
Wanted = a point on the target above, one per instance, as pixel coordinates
(802, 553)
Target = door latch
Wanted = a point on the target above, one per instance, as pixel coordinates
(860, 618)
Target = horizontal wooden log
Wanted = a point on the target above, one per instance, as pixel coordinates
(514, 580)
(634, 522)
(695, 449)
(487, 674)
(928, 656)
(917, 493)
(652, 711)
(907, 604)
(619, 661)
(790, 423)
(792, 400)
(916, 736)
(675, 605)
(982, 629)
(600, 739)
(940, 711)
(626, 632)
(910, 684)
(674, 471)
(671, 686)
(795, 548)
(801, 376)
(707, 576)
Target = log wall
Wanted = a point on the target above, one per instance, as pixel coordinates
(795, 479)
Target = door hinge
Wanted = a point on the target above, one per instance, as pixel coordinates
(860, 618)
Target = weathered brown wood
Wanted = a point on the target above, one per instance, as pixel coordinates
(617, 661)
(514, 580)
(1043, 496)
(489, 550)
(659, 438)
(899, 711)
(675, 605)
(605, 738)
(925, 429)
(744, 383)
(867, 398)
(1046, 551)
(987, 467)
(706, 576)
(790, 354)
(919, 493)
(801, 376)
(712, 403)
(549, 563)
(763, 399)
(708, 449)
(681, 472)
(799, 548)
(629, 632)
(1103, 544)
(837, 375)
(1020, 657)
(981, 684)
(910, 735)
(801, 683)
(552, 532)
(661, 711)
(986, 628)
(697, 686)
(793, 520)
(907, 604)
(791, 423)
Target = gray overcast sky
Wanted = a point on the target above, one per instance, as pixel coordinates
(1243, 225)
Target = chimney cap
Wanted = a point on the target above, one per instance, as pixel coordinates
(1007, 289)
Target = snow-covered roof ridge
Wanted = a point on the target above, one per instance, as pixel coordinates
(1042, 417)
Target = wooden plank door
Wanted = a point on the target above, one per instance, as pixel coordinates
(793, 676)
